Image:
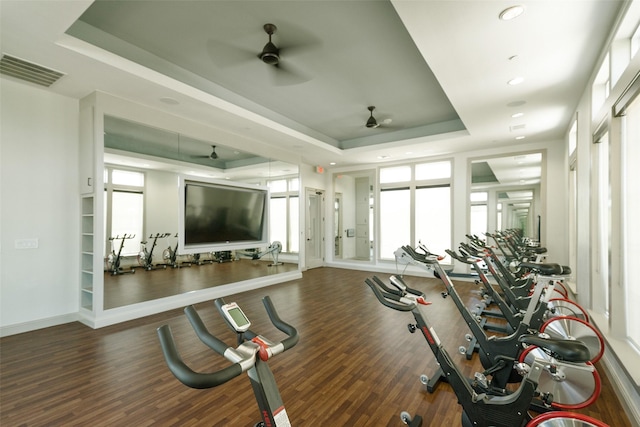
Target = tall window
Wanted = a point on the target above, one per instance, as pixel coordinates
(124, 209)
(631, 226)
(478, 218)
(601, 225)
(415, 207)
(284, 213)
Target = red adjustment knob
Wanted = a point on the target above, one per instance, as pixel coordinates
(264, 350)
(422, 301)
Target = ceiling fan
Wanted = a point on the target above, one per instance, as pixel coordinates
(372, 122)
(270, 53)
(212, 156)
(278, 57)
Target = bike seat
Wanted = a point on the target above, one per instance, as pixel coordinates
(567, 350)
(547, 269)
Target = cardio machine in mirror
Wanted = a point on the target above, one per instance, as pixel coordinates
(505, 194)
(142, 169)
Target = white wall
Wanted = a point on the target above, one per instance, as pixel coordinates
(39, 200)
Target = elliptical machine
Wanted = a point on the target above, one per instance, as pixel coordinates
(479, 408)
(251, 356)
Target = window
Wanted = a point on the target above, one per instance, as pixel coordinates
(395, 220)
(433, 219)
(635, 42)
(435, 170)
(601, 225)
(573, 137)
(124, 209)
(631, 225)
(284, 213)
(418, 210)
(478, 214)
(601, 87)
(395, 174)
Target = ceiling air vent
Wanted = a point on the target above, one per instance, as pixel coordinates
(24, 70)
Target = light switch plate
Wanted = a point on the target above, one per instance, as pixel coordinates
(26, 243)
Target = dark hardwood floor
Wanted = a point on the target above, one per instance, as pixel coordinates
(355, 365)
(125, 289)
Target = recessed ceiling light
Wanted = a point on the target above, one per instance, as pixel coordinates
(516, 81)
(516, 115)
(511, 13)
(520, 137)
(332, 163)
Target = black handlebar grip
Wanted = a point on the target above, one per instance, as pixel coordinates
(386, 302)
(387, 289)
(292, 333)
(203, 333)
(455, 255)
(184, 374)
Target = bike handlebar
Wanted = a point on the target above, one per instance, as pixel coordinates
(384, 298)
(244, 359)
(292, 333)
(185, 374)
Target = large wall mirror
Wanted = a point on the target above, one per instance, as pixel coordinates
(505, 194)
(142, 260)
(353, 216)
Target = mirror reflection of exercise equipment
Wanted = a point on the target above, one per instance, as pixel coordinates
(161, 155)
(505, 193)
(113, 260)
(145, 257)
(170, 256)
(274, 249)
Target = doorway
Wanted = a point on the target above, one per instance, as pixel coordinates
(314, 228)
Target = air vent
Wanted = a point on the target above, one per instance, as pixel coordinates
(24, 70)
(517, 127)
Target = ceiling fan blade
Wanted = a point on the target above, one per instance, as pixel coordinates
(225, 55)
(284, 74)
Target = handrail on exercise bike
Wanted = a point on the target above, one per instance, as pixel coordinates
(244, 356)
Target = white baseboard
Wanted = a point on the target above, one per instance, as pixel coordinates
(32, 325)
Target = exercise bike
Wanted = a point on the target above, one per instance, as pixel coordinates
(251, 356)
(574, 386)
(170, 255)
(145, 257)
(113, 260)
(479, 407)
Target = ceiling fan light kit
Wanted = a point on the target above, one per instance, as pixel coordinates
(371, 122)
(270, 53)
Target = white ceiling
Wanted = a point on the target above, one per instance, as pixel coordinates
(437, 69)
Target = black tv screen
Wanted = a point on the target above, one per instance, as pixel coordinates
(218, 216)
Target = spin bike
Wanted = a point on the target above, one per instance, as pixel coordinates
(113, 260)
(480, 408)
(145, 258)
(251, 356)
(170, 255)
(547, 309)
(576, 385)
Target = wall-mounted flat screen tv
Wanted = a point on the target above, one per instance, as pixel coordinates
(221, 216)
